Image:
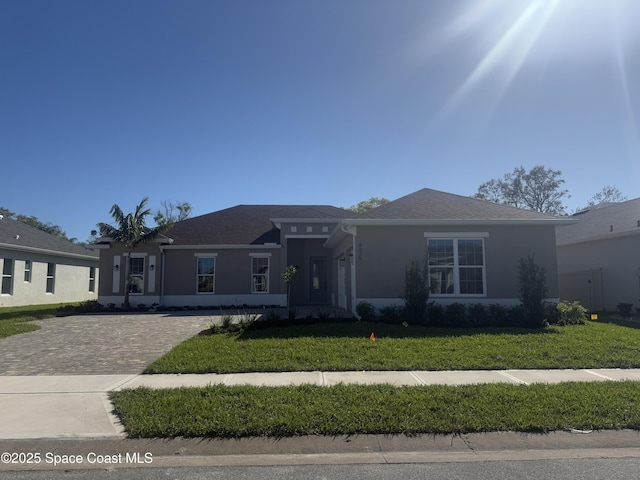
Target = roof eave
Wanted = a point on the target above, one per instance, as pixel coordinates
(450, 221)
(44, 251)
(609, 236)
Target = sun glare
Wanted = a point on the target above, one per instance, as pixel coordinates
(506, 35)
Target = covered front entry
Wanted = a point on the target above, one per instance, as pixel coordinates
(313, 286)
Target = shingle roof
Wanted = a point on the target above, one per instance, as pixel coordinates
(610, 219)
(427, 204)
(246, 224)
(19, 235)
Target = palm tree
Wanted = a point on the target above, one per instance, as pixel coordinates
(131, 231)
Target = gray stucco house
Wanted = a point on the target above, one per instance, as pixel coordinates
(599, 256)
(40, 268)
(236, 256)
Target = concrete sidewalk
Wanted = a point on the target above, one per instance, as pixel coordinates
(77, 406)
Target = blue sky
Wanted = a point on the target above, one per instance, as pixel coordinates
(296, 101)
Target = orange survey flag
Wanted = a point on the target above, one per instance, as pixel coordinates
(372, 337)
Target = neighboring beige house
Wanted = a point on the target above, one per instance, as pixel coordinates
(39, 268)
(599, 256)
(236, 256)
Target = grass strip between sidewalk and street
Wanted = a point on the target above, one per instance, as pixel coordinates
(248, 411)
(347, 347)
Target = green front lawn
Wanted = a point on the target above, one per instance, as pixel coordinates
(14, 320)
(346, 346)
(246, 411)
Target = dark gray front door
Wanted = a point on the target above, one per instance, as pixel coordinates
(318, 280)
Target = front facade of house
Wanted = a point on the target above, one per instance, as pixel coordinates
(39, 268)
(599, 257)
(237, 256)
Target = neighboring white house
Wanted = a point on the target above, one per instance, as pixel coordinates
(39, 268)
(599, 256)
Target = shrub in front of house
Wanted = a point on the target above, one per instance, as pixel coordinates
(532, 290)
(393, 314)
(365, 310)
(571, 313)
(455, 315)
(435, 312)
(624, 309)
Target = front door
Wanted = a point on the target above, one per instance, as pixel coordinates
(318, 280)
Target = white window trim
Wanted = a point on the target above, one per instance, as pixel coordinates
(28, 272)
(53, 280)
(144, 276)
(92, 279)
(260, 255)
(456, 266)
(11, 275)
(215, 267)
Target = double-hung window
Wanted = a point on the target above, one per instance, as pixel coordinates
(259, 274)
(206, 274)
(7, 277)
(51, 277)
(136, 275)
(456, 266)
(92, 279)
(27, 271)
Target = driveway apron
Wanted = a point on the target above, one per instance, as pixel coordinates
(96, 344)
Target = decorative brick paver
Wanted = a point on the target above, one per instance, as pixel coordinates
(97, 344)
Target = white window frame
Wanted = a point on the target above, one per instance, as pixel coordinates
(11, 262)
(256, 276)
(50, 285)
(92, 279)
(128, 283)
(28, 267)
(198, 275)
(456, 267)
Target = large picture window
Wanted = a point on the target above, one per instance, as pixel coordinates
(206, 274)
(259, 274)
(456, 266)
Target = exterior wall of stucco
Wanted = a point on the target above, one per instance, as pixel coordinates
(232, 277)
(112, 279)
(600, 274)
(383, 253)
(71, 279)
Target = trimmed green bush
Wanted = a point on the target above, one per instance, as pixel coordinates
(365, 310)
(571, 313)
(416, 293)
(455, 315)
(532, 290)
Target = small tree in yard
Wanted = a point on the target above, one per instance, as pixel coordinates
(290, 276)
(532, 290)
(416, 292)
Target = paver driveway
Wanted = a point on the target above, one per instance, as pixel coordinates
(96, 344)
